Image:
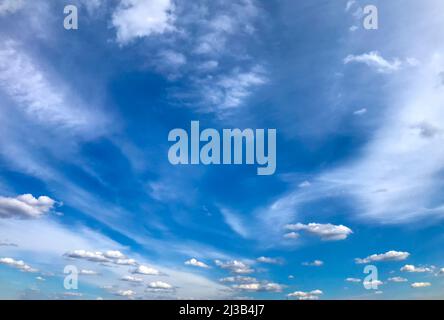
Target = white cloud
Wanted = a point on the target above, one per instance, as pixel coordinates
(10, 6)
(304, 184)
(196, 263)
(256, 287)
(235, 222)
(126, 262)
(291, 235)
(160, 285)
(420, 284)
(356, 280)
(25, 206)
(328, 232)
(126, 293)
(18, 264)
(229, 91)
(139, 18)
(239, 279)
(96, 256)
(372, 283)
(388, 256)
(142, 269)
(234, 266)
(114, 254)
(315, 263)
(44, 100)
(269, 260)
(375, 60)
(411, 268)
(397, 279)
(360, 112)
(349, 5)
(86, 272)
(131, 279)
(301, 295)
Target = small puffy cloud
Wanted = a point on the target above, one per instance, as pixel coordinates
(372, 283)
(25, 206)
(397, 279)
(327, 232)
(160, 285)
(196, 263)
(420, 284)
(413, 269)
(129, 278)
(94, 256)
(301, 295)
(126, 262)
(388, 256)
(315, 263)
(40, 278)
(375, 60)
(269, 260)
(17, 264)
(234, 266)
(355, 280)
(86, 272)
(126, 293)
(146, 271)
(114, 254)
(239, 279)
(256, 287)
(139, 18)
(291, 235)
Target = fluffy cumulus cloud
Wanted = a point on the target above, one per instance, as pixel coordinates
(196, 263)
(96, 256)
(413, 269)
(159, 285)
(86, 272)
(145, 270)
(25, 206)
(126, 293)
(355, 280)
(139, 18)
(234, 266)
(301, 295)
(388, 256)
(256, 287)
(18, 264)
(327, 232)
(420, 284)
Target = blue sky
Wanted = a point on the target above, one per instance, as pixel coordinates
(85, 178)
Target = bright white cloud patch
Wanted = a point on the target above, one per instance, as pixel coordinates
(196, 263)
(234, 266)
(328, 232)
(25, 206)
(256, 287)
(131, 279)
(301, 295)
(139, 18)
(356, 280)
(145, 270)
(420, 284)
(239, 279)
(411, 268)
(160, 285)
(375, 60)
(388, 256)
(18, 264)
